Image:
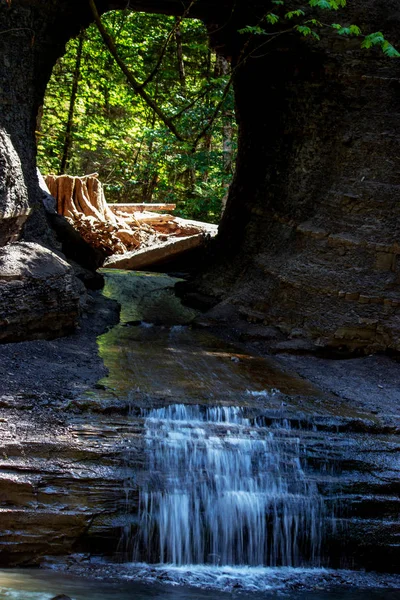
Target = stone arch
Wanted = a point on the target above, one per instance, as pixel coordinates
(310, 237)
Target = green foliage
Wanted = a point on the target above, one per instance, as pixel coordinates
(307, 24)
(390, 50)
(294, 13)
(272, 18)
(328, 4)
(117, 135)
(378, 39)
(253, 30)
(306, 31)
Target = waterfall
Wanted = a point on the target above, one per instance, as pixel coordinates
(222, 488)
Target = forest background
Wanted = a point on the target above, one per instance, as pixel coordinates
(144, 101)
(93, 121)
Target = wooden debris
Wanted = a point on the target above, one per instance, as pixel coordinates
(130, 208)
(121, 228)
(147, 257)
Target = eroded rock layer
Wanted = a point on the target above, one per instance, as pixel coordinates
(310, 237)
(72, 463)
(69, 486)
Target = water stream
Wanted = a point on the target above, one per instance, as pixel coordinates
(229, 493)
(231, 482)
(223, 490)
(31, 584)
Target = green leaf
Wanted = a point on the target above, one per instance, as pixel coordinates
(279, 2)
(304, 30)
(355, 30)
(390, 50)
(373, 39)
(253, 29)
(314, 22)
(272, 18)
(328, 4)
(351, 30)
(324, 4)
(295, 13)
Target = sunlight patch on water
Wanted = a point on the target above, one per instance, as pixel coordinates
(12, 594)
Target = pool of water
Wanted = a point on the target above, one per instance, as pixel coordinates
(42, 584)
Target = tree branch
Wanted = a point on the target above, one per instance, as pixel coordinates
(215, 114)
(199, 96)
(136, 85)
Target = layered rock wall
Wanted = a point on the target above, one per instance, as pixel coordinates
(310, 237)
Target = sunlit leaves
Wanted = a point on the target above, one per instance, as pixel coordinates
(117, 135)
(307, 31)
(328, 4)
(294, 13)
(351, 30)
(272, 18)
(374, 39)
(389, 50)
(253, 30)
(313, 28)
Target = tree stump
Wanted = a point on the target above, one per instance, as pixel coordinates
(81, 200)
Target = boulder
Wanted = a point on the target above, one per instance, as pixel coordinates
(39, 294)
(14, 207)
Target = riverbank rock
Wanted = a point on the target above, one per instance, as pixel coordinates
(14, 208)
(39, 294)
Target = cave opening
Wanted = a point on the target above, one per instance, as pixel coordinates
(308, 240)
(93, 121)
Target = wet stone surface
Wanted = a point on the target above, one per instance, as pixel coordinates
(73, 453)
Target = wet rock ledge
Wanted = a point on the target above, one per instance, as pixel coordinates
(72, 449)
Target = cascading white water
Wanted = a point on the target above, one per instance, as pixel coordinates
(221, 489)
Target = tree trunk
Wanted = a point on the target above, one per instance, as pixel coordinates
(223, 67)
(72, 102)
(179, 55)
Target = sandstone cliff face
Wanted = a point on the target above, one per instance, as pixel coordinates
(39, 294)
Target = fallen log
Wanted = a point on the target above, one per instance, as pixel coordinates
(147, 257)
(152, 219)
(131, 208)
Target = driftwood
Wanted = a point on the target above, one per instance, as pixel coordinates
(115, 229)
(131, 208)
